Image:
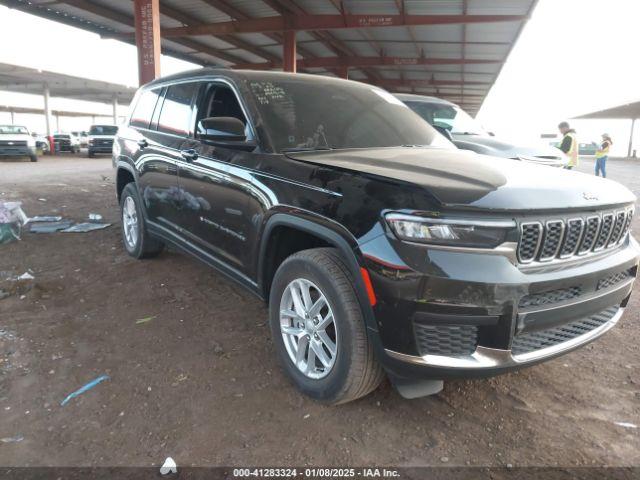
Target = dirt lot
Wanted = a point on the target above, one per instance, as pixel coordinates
(199, 381)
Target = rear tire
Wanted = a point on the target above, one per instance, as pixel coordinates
(137, 241)
(33, 158)
(352, 371)
(91, 154)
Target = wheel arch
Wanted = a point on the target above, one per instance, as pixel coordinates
(334, 236)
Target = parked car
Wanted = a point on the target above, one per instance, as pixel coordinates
(66, 142)
(467, 133)
(16, 141)
(379, 247)
(101, 139)
(42, 143)
(83, 137)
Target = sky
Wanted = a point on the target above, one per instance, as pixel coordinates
(574, 57)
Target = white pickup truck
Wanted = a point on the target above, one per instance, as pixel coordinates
(16, 141)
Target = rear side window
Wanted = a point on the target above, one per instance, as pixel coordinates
(142, 113)
(175, 117)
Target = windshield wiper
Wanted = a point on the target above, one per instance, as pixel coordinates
(466, 133)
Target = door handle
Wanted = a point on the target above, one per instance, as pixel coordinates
(189, 155)
(143, 144)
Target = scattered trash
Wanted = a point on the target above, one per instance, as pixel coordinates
(4, 294)
(95, 217)
(169, 466)
(12, 439)
(626, 424)
(86, 227)
(145, 319)
(84, 388)
(12, 218)
(26, 276)
(306, 416)
(444, 459)
(50, 227)
(44, 218)
(42, 199)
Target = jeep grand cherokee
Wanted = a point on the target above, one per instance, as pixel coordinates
(378, 246)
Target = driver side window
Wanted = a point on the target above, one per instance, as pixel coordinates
(221, 101)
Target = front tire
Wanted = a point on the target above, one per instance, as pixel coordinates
(33, 158)
(90, 154)
(137, 241)
(318, 328)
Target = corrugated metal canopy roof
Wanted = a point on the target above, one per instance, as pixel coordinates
(459, 60)
(15, 78)
(626, 111)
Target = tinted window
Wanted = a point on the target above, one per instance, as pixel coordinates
(141, 116)
(308, 114)
(176, 109)
(103, 130)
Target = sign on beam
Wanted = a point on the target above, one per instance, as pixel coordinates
(147, 22)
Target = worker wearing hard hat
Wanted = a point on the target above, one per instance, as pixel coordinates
(569, 144)
(602, 154)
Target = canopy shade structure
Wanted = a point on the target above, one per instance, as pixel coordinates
(626, 111)
(630, 111)
(451, 49)
(15, 78)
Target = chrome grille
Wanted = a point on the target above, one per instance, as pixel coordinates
(614, 279)
(575, 226)
(552, 240)
(605, 231)
(530, 236)
(590, 235)
(621, 218)
(543, 241)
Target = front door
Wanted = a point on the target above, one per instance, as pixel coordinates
(217, 203)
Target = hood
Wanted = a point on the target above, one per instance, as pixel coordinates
(498, 147)
(16, 137)
(458, 178)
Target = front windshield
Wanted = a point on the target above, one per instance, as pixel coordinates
(13, 130)
(451, 117)
(299, 114)
(103, 130)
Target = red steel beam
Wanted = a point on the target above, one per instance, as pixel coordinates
(289, 52)
(147, 22)
(330, 22)
(393, 83)
(337, 62)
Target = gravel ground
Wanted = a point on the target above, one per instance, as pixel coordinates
(197, 378)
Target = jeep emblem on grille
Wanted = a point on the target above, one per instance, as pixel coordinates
(589, 196)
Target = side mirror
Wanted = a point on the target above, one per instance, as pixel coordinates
(491, 134)
(221, 129)
(444, 132)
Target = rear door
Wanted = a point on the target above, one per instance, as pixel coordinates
(159, 153)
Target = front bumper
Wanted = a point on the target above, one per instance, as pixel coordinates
(452, 314)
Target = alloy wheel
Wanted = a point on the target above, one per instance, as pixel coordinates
(308, 328)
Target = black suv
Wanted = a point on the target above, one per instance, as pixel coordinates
(379, 247)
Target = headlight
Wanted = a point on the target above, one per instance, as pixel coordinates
(454, 232)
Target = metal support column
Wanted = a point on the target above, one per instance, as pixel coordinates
(147, 22)
(115, 109)
(289, 56)
(630, 151)
(47, 110)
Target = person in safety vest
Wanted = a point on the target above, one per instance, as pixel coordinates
(569, 144)
(602, 154)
